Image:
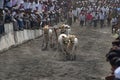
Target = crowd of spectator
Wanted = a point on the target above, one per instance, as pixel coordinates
(106, 13)
(96, 13)
(32, 14)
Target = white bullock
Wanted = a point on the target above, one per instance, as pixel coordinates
(65, 29)
(47, 37)
(68, 45)
(72, 46)
(61, 40)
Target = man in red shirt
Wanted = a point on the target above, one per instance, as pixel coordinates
(89, 18)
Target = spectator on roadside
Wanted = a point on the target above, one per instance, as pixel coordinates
(20, 20)
(75, 14)
(1, 22)
(101, 18)
(82, 19)
(113, 22)
(70, 17)
(95, 19)
(89, 18)
(8, 17)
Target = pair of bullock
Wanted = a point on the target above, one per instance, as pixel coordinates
(65, 41)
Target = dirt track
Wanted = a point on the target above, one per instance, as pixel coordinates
(28, 62)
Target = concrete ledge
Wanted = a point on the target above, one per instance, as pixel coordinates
(14, 38)
(7, 41)
(19, 37)
(8, 27)
(26, 35)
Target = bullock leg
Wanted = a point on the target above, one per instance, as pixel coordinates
(64, 52)
(46, 46)
(56, 37)
(51, 42)
(45, 43)
(60, 47)
(112, 29)
(61, 50)
(68, 53)
(68, 56)
(73, 55)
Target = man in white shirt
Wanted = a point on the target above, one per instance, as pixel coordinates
(95, 19)
(113, 22)
(75, 14)
(117, 70)
(82, 19)
(70, 15)
(8, 3)
(101, 17)
(14, 2)
(18, 4)
(34, 5)
(26, 4)
(40, 4)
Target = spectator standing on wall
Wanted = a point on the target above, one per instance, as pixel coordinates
(14, 3)
(8, 17)
(1, 27)
(20, 20)
(1, 22)
(17, 3)
(40, 4)
(26, 4)
(8, 4)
